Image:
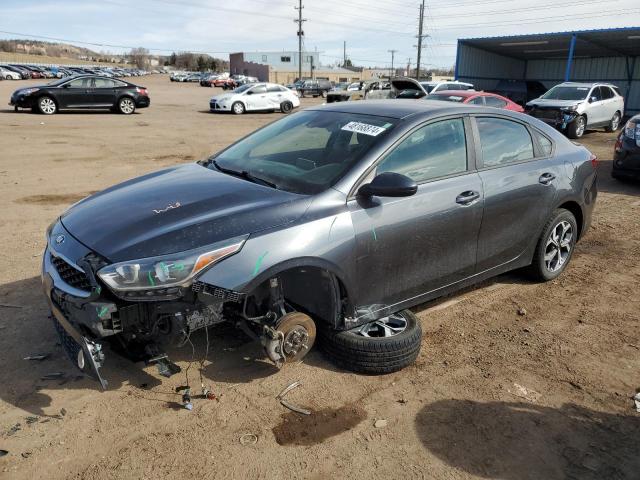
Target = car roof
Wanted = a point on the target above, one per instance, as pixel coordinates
(459, 93)
(401, 109)
(585, 84)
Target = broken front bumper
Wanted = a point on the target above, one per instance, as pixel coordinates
(62, 299)
(557, 118)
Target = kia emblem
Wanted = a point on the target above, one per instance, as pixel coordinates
(59, 239)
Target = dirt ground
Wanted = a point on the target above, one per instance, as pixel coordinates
(493, 395)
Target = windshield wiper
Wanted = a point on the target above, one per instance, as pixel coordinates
(244, 174)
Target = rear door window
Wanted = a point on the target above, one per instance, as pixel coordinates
(495, 102)
(435, 150)
(503, 141)
(477, 101)
(259, 89)
(606, 93)
(544, 142)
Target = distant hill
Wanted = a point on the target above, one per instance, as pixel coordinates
(56, 50)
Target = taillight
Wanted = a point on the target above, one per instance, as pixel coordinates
(141, 91)
(594, 160)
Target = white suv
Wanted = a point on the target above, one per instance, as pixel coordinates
(574, 107)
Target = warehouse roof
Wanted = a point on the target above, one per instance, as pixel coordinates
(617, 42)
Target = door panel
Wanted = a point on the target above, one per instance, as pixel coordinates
(409, 246)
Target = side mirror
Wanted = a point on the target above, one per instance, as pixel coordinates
(593, 99)
(66, 85)
(249, 93)
(389, 184)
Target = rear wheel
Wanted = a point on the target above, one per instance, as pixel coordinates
(238, 108)
(46, 105)
(614, 124)
(577, 127)
(324, 94)
(286, 107)
(126, 105)
(384, 346)
(555, 246)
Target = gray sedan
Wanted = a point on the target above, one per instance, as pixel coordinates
(330, 222)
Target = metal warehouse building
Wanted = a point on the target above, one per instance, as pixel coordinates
(591, 55)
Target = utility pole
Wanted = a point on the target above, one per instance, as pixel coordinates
(393, 53)
(344, 54)
(409, 67)
(420, 37)
(300, 21)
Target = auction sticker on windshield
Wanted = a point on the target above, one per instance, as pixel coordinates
(364, 128)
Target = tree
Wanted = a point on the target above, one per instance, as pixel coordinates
(202, 64)
(172, 59)
(139, 57)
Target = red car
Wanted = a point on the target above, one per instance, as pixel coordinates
(225, 83)
(476, 98)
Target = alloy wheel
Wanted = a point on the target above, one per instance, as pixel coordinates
(127, 106)
(580, 127)
(615, 122)
(238, 108)
(47, 105)
(558, 247)
(385, 327)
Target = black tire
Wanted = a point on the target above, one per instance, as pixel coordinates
(576, 128)
(238, 108)
(352, 351)
(47, 105)
(614, 124)
(539, 269)
(126, 105)
(324, 94)
(286, 107)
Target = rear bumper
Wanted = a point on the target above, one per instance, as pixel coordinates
(143, 102)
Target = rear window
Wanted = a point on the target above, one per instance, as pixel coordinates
(446, 98)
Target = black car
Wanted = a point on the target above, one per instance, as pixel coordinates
(626, 159)
(332, 221)
(520, 91)
(82, 91)
(315, 88)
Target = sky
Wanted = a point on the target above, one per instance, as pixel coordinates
(371, 28)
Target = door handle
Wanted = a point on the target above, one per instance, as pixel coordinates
(546, 178)
(468, 197)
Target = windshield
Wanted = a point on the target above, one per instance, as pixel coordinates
(243, 88)
(428, 86)
(307, 152)
(446, 98)
(560, 92)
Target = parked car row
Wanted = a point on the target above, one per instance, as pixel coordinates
(25, 71)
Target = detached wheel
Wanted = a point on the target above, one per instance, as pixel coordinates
(286, 107)
(384, 346)
(126, 106)
(614, 124)
(555, 246)
(47, 106)
(577, 127)
(238, 108)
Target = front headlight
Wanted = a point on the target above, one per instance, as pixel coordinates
(166, 274)
(571, 108)
(29, 91)
(631, 129)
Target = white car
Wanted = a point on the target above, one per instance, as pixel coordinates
(574, 107)
(9, 74)
(254, 97)
(433, 87)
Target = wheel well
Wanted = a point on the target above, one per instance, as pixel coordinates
(576, 210)
(312, 290)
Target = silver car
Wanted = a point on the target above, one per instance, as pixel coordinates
(575, 107)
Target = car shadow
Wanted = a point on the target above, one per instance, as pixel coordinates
(520, 441)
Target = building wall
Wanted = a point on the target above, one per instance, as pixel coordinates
(283, 59)
(286, 77)
(484, 69)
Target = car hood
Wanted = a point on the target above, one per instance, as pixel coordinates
(400, 84)
(177, 209)
(553, 103)
(223, 97)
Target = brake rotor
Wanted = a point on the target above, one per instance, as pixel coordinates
(299, 335)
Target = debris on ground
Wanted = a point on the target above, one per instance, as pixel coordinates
(8, 305)
(63, 411)
(31, 420)
(37, 356)
(524, 392)
(522, 311)
(381, 423)
(248, 439)
(52, 376)
(26, 454)
(16, 428)
(186, 396)
(290, 405)
(636, 400)
(3, 453)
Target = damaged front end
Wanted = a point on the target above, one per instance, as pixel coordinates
(557, 117)
(143, 307)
